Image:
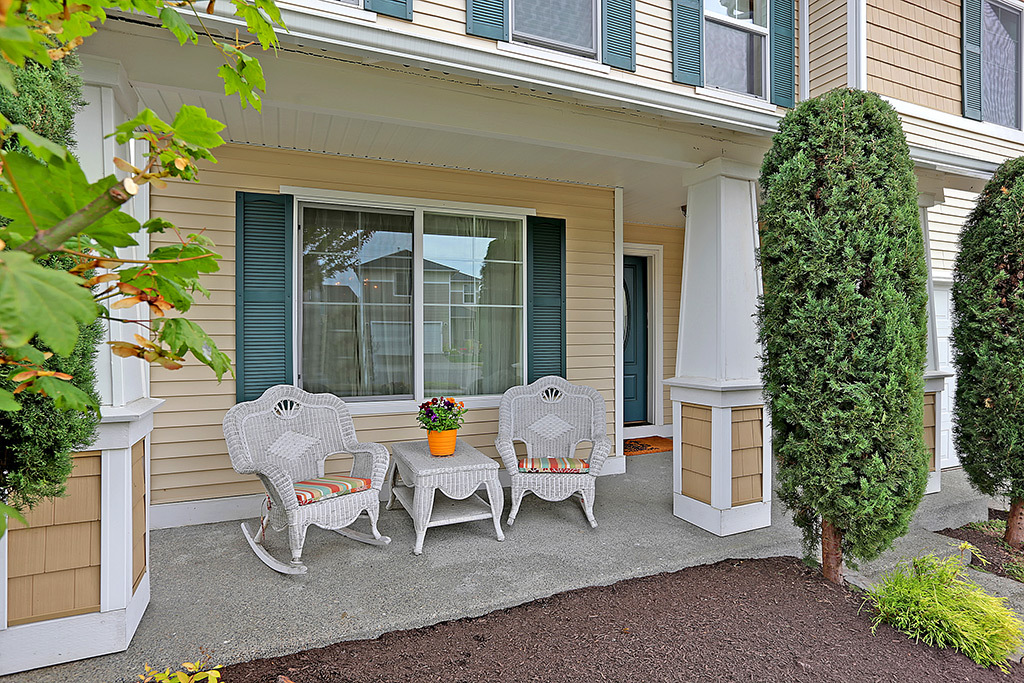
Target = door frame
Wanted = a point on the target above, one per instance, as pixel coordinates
(655, 255)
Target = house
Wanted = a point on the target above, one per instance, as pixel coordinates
(458, 196)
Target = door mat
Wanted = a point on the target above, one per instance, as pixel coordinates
(650, 444)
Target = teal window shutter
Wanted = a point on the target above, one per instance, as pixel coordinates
(783, 58)
(688, 42)
(399, 9)
(618, 33)
(971, 56)
(487, 19)
(263, 292)
(545, 308)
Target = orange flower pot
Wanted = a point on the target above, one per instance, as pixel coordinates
(442, 443)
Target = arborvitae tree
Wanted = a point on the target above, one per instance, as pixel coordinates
(36, 442)
(843, 321)
(988, 343)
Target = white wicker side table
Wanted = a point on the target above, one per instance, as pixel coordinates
(457, 476)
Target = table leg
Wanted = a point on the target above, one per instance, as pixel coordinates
(496, 497)
(422, 503)
(390, 478)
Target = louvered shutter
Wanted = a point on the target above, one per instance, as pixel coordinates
(399, 9)
(263, 292)
(545, 309)
(618, 33)
(971, 49)
(487, 18)
(688, 42)
(783, 58)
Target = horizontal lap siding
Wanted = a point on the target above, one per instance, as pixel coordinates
(959, 140)
(827, 45)
(189, 459)
(944, 224)
(672, 240)
(445, 21)
(913, 51)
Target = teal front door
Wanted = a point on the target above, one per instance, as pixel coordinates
(634, 343)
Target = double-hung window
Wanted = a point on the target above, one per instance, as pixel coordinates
(736, 45)
(403, 303)
(567, 25)
(1001, 64)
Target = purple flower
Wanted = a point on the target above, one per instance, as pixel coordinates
(433, 418)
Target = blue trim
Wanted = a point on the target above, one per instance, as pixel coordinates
(399, 9)
(488, 19)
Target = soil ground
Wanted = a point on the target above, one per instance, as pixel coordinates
(987, 537)
(738, 620)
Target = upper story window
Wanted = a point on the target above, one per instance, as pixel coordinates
(736, 45)
(569, 25)
(1001, 64)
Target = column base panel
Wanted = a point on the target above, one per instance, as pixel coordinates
(725, 522)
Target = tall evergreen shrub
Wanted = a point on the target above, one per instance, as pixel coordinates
(36, 442)
(988, 343)
(843, 322)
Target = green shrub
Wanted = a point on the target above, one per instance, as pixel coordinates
(932, 601)
(48, 99)
(843, 320)
(988, 342)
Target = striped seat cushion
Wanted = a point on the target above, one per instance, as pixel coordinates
(553, 465)
(332, 485)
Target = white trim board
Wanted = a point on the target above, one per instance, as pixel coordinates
(655, 255)
(619, 331)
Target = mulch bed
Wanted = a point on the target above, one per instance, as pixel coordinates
(749, 620)
(989, 541)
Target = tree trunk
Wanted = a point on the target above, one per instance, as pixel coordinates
(1015, 524)
(831, 552)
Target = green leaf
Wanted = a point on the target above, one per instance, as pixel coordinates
(183, 335)
(53, 192)
(177, 25)
(194, 127)
(8, 511)
(257, 23)
(157, 224)
(8, 402)
(146, 118)
(18, 43)
(35, 300)
(65, 395)
(38, 145)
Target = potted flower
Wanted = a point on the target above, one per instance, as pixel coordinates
(441, 417)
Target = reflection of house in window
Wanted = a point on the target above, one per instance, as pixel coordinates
(403, 283)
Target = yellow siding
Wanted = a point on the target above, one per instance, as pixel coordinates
(929, 428)
(188, 455)
(913, 51)
(696, 452)
(944, 224)
(747, 454)
(672, 240)
(138, 513)
(53, 565)
(827, 45)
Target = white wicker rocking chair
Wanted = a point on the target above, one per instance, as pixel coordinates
(283, 437)
(552, 417)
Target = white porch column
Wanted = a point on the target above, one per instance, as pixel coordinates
(722, 434)
(122, 440)
(934, 376)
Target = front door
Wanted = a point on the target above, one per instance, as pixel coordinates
(634, 350)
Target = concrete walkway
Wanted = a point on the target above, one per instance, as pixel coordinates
(210, 591)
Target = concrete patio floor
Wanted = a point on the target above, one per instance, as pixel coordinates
(210, 591)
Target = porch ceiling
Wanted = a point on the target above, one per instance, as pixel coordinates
(653, 192)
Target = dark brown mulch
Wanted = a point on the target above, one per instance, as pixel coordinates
(750, 620)
(991, 546)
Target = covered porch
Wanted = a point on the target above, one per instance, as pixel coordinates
(210, 591)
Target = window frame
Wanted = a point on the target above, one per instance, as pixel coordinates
(371, 405)
(1018, 8)
(764, 31)
(555, 45)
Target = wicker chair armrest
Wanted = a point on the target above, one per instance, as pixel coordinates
(370, 459)
(599, 453)
(279, 485)
(507, 451)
